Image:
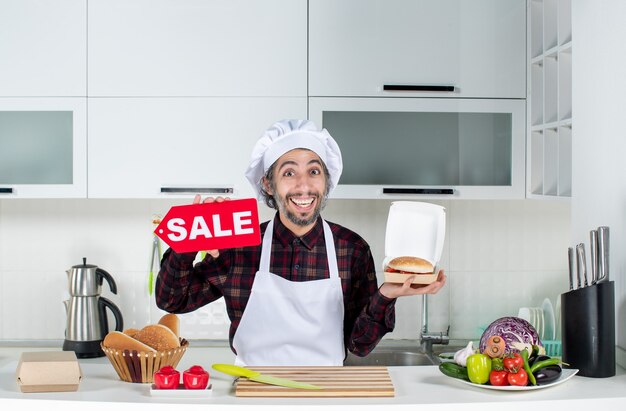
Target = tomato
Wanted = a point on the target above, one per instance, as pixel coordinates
(478, 368)
(518, 378)
(195, 378)
(393, 270)
(167, 378)
(512, 364)
(498, 378)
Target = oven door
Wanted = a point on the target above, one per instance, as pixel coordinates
(436, 148)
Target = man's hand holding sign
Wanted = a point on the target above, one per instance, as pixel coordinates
(211, 225)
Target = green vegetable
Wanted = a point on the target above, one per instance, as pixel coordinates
(454, 370)
(478, 368)
(536, 351)
(497, 364)
(533, 354)
(531, 377)
(544, 363)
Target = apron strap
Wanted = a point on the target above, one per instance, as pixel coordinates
(330, 251)
(266, 248)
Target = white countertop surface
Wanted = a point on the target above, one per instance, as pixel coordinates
(101, 388)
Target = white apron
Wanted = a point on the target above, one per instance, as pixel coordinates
(292, 323)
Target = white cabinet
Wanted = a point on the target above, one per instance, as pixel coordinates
(43, 146)
(197, 48)
(356, 47)
(179, 91)
(43, 48)
(435, 148)
(43, 86)
(549, 168)
(140, 146)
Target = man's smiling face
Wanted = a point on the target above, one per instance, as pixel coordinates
(299, 188)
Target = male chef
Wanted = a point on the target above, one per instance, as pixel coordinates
(309, 291)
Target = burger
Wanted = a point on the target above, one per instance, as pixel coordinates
(409, 265)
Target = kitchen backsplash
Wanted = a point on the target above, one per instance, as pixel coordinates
(498, 255)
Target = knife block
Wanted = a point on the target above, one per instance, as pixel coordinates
(588, 329)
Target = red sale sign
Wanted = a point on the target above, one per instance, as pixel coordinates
(211, 226)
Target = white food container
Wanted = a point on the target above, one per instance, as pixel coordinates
(414, 229)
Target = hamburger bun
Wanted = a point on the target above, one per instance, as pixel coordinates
(409, 265)
(131, 331)
(119, 341)
(158, 337)
(172, 322)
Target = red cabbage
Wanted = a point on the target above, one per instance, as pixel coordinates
(511, 330)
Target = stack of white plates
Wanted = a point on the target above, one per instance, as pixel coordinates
(543, 319)
(549, 332)
(534, 315)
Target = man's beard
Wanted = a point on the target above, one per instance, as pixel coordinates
(293, 217)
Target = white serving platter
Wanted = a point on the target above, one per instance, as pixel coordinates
(566, 374)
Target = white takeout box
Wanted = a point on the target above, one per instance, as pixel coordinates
(48, 371)
(414, 229)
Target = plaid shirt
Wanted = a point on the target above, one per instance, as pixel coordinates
(182, 287)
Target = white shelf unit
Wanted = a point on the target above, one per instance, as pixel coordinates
(549, 142)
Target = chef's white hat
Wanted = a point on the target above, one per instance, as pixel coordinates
(287, 135)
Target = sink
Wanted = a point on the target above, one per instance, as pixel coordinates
(391, 358)
(393, 355)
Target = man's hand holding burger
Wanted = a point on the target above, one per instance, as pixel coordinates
(411, 266)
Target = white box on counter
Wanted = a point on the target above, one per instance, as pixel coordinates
(48, 371)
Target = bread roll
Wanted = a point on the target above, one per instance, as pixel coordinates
(412, 265)
(131, 331)
(172, 322)
(158, 337)
(119, 341)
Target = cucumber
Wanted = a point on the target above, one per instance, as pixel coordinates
(454, 370)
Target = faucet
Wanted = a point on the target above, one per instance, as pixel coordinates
(427, 339)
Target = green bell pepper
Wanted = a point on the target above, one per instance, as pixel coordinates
(478, 368)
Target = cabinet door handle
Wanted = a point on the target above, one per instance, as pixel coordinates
(416, 87)
(446, 191)
(6, 190)
(197, 190)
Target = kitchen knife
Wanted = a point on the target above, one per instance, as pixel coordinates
(571, 261)
(593, 237)
(603, 254)
(581, 265)
(237, 371)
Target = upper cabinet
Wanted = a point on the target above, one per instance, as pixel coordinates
(176, 147)
(153, 98)
(43, 48)
(461, 48)
(43, 87)
(43, 147)
(179, 91)
(197, 48)
(435, 148)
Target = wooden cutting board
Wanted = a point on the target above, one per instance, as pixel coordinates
(336, 382)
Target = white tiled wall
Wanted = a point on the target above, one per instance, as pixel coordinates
(498, 255)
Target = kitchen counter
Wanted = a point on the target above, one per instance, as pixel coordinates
(101, 388)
